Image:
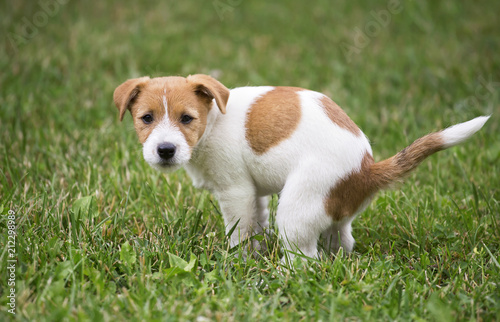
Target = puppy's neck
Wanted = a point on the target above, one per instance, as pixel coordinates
(212, 118)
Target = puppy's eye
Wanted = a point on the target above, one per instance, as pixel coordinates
(147, 119)
(186, 119)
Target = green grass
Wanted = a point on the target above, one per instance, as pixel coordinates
(101, 236)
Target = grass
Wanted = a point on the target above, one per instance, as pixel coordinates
(101, 236)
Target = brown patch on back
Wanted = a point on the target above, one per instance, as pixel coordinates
(273, 118)
(338, 116)
(351, 192)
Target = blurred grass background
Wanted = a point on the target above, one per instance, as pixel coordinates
(427, 251)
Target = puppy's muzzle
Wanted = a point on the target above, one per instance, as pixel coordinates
(166, 151)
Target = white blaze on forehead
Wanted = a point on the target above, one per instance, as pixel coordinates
(168, 127)
(166, 130)
(165, 101)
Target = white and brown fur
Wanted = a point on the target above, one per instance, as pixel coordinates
(247, 143)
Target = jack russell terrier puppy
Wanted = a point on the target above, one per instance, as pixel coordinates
(247, 143)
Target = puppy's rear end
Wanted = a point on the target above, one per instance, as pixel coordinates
(353, 194)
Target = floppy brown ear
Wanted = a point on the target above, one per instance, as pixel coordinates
(210, 88)
(125, 94)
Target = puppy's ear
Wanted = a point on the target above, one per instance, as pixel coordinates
(209, 88)
(126, 93)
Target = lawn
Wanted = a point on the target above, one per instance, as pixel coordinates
(101, 236)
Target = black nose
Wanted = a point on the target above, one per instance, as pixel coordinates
(166, 151)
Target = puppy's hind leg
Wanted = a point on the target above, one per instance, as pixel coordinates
(338, 235)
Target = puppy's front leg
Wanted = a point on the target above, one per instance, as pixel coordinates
(261, 215)
(238, 207)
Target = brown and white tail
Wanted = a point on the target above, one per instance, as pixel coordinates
(394, 169)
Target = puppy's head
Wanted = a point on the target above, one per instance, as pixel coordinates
(170, 114)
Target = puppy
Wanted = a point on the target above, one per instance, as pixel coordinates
(247, 143)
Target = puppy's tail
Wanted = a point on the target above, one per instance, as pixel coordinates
(394, 169)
